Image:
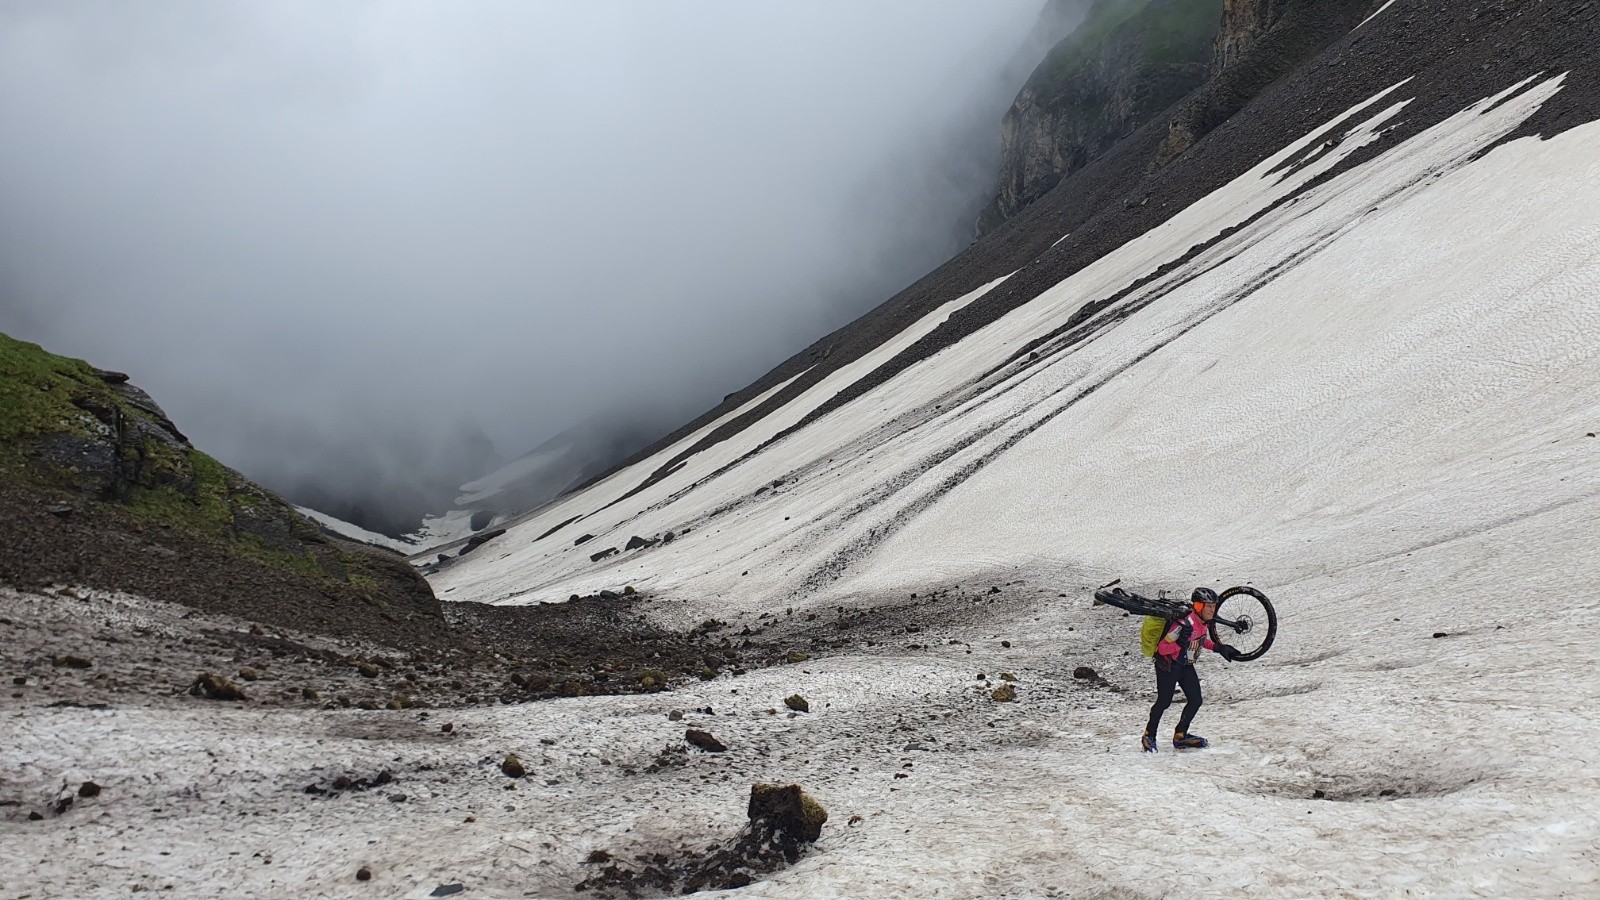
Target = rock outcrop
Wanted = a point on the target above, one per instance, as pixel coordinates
(1128, 62)
(149, 513)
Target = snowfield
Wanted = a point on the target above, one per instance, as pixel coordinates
(1375, 398)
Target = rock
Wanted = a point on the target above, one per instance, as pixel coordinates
(367, 703)
(310, 694)
(598, 856)
(1005, 693)
(60, 512)
(675, 715)
(610, 595)
(363, 874)
(88, 789)
(249, 674)
(478, 540)
(399, 701)
(70, 662)
(1007, 676)
(786, 809)
(512, 766)
(481, 519)
(635, 543)
(342, 783)
(584, 539)
(367, 670)
(797, 703)
(628, 591)
(448, 727)
(704, 740)
(215, 687)
(1440, 634)
(397, 798)
(1085, 673)
(446, 890)
(20, 680)
(34, 816)
(1006, 644)
(596, 557)
(795, 656)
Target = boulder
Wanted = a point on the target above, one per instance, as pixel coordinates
(797, 703)
(786, 809)
(1005, 693)
(1084, 673)
(512, 766)
(704, 740)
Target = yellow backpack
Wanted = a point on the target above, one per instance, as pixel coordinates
(1151, 633)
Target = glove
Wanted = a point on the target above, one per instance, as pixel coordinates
(1228, 653)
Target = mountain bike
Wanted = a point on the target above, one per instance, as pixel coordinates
(1244, 615)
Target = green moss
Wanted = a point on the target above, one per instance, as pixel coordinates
(37, 390)
(1171, 32)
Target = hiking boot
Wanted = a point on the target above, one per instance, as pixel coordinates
(1147, 743)
(1182, 740)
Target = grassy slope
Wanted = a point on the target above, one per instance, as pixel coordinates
(1172, 32)
(172, 485)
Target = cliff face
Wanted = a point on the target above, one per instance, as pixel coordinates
(1127, 62)
(1243, 23)
(98, 488)
(1131, 60)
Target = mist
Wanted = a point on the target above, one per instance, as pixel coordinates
(363, 251)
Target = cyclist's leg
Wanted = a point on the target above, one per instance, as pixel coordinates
(1166, 683)
(1190, 682)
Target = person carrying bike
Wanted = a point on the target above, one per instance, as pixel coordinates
(1174, 660)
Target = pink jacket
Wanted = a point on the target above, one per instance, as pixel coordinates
(1199, 636)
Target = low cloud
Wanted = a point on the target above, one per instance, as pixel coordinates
(348, 244)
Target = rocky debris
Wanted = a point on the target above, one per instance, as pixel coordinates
(783, 821)
(512, 766)
(345, 783)
(478, 540)
(363, 874)
(70, 662)
(88, 790)
(704, 740)
(1005, 693)
(215, 687)
(797, 703)
(596, 557)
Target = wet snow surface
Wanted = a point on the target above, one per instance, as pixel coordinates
(1374, 398)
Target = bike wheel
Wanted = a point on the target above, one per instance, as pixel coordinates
(1246, 621)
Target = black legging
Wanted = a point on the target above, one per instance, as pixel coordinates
(1177, 674)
